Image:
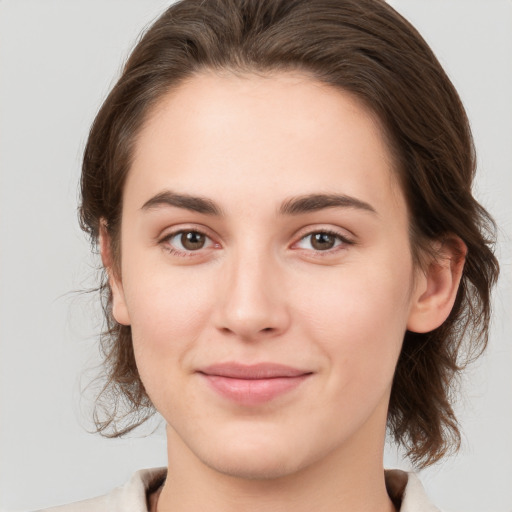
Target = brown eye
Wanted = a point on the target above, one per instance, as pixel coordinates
(192, 240)
(182, 243)
(322, 241)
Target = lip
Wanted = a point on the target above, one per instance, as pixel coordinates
(253, 384)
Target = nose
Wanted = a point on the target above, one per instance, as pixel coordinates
(254, 303)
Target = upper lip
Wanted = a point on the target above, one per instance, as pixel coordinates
(252, 371)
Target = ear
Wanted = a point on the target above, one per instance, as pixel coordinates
(436, 287)
(119, 308)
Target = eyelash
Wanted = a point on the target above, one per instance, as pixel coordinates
(344, 242)
(165, 242)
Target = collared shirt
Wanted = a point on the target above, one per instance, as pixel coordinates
(404, 489)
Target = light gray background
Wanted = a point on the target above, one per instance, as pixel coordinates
(58, 59)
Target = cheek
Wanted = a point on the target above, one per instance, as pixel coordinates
(168, 310)
(358, 321)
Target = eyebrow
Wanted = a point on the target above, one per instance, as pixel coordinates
(186, 201)
(293, 206)
(314, 202)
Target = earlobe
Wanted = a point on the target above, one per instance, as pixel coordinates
(436, 289)
(119, 308)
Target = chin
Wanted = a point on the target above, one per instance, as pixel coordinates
(254, 468)
(255, 457)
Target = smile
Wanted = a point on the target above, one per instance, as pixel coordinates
(253, 384)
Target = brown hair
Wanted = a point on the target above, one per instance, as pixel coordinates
(361, 46)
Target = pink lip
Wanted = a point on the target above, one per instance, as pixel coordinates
(253, 384)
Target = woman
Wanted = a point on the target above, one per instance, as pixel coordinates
(281, 194)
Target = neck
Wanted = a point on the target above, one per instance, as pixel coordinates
(351, 479)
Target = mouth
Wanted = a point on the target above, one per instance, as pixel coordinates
(253, 384)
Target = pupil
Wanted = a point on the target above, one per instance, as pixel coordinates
(323, 241)
(192, 240)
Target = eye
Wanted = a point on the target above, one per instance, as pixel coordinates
(187, 241)
(322, 241)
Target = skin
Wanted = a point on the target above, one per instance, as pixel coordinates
(259, 290)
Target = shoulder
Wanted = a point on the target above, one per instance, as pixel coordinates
(406, 490)
(131, 497)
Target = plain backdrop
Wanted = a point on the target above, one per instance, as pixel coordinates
(58, 59)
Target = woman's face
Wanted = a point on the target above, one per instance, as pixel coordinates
(266, 272)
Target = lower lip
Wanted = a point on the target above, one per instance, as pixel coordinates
(253, 391)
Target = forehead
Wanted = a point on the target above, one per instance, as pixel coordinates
(231, 135)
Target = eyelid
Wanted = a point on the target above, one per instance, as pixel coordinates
(185, 226)
(341, 236)
(333, 229)
(164, 240)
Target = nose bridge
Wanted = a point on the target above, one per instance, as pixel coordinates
(254, 299)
